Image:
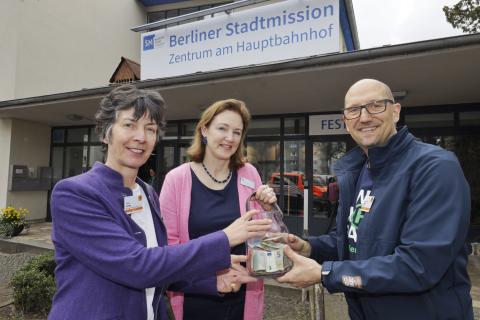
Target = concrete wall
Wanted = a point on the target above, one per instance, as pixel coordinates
(30, 146)
(8, 48)
(59, 46)
(5, 137)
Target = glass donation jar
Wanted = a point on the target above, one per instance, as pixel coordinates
(265, 257)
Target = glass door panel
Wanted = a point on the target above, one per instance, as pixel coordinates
(325, 154)
(183, 153)
(294, 177)
(265, 156)
(172, 154)
(57, 164)
(75, 161)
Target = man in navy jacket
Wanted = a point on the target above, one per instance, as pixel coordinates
(399, 250)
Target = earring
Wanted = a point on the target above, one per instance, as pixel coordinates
(204, 140)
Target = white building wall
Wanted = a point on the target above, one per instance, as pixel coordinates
(30, 146)
(5, 137)
(66, 45)
(8, 48)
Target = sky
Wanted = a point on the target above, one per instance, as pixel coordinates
(389, 22)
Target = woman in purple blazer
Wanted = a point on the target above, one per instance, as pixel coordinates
(111, 249)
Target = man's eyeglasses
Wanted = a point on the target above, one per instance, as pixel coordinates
(374, 107)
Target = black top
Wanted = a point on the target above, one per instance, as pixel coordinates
(210, 211)
(363, 189)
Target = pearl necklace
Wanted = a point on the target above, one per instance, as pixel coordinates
(213, 178)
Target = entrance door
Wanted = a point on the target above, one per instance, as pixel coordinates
(324, 152)
(266, 156)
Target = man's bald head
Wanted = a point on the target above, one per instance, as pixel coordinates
(368, 85)
(373, 115)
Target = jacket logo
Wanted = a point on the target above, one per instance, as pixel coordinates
(352, 281)
(356, 214)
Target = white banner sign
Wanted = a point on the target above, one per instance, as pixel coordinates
(279, 31)
(326, 124)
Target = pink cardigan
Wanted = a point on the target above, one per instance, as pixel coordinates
(175, 198)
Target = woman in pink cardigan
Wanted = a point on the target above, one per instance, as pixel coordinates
(206, 195)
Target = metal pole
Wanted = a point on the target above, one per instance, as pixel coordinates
(305, 212)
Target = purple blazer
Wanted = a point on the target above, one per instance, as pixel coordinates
(103, 265)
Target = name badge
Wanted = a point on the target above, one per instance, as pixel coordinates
(132, 204)
(247, 183)
(367, 203)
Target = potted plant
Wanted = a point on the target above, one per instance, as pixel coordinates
(12, 221)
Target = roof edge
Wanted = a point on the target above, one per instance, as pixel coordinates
(367, 54)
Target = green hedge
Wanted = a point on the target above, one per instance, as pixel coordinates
(34, 285)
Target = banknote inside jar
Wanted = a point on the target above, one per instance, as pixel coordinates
(265, 257)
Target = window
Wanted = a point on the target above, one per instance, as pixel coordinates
(57, 163)
(93, 135)
(264, 127)
(325, 154)
(96, 154)
(58, 135)
(171, 131)
(187, 129)
(471, 118)
(77, 135)
(294, 155)
(429, 120)
(294, 126)
(265, 156)
(74, 161)
(294, 164)
(74, 151)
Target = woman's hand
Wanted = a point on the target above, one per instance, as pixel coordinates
(230, 280)
(265, 196)
(243, 228)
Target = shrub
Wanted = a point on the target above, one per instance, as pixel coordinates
(34, 285)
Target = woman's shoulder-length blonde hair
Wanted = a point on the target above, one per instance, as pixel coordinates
(196, 151)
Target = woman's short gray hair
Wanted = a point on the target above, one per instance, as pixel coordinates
(123, 98)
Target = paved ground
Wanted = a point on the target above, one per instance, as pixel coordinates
(281, 302)
(37, 235)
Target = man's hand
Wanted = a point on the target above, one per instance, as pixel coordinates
(299, 245)
(243, 228)
(305, 271)
(230, 280)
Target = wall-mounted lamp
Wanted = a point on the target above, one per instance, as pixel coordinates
(399, 95)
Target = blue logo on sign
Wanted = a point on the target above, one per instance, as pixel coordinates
(148, 42)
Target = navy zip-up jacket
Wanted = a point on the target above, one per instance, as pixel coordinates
(412, 256)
